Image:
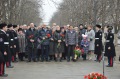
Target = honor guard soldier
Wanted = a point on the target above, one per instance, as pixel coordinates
(4, 46)
(109, 47)
(98, 43)
(16, 43)
(11, 44)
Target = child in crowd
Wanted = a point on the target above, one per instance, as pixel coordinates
(85, 46)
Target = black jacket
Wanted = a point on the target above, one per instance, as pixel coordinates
(110, 43)
(4, 45)
(98, 43)
(43, 34)
(34, 35)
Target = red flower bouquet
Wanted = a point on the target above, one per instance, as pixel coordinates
(78, 51)
(61, 36)
(95, 76)
(47, 36)
(31, 37)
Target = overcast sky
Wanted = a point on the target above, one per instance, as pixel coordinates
(49, 8)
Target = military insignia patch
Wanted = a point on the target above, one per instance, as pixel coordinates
(1, 40)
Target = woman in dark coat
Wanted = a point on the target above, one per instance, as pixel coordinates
(109, 47)
(51, 47)
(59, 43)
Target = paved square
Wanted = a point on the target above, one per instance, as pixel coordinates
(60, 70)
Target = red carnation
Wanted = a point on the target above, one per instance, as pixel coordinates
(48, 35)
(62, 35)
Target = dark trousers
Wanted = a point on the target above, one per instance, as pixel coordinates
(70, 51)
(110, 61)
(2, 68)
(98, 58)
(84, 56)
(65, 52)
(45, 52)
(21, 56)
(13, 54)
(38, 54)
(31, 54)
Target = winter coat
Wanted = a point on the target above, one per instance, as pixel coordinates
(59, 47)
(4, 47)
(22, 42)
(43, 34)
(85, 45)
(32, 35)
(98, 43)
(91, 37)
(110, 43)
(71, 38)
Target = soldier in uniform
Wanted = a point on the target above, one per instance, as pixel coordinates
(9, 55)
(12, 41)
(4, 46)
(98, 43)
(109, 47)
(11, 44)
(16, 42)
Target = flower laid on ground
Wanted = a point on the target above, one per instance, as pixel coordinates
(95, 76)
(78, 51)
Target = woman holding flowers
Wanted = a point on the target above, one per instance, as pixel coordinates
(59, 45)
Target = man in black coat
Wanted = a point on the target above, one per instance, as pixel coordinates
(4, 48)
(109, 47)
(32, 36)
(45, 34)
(98, 43)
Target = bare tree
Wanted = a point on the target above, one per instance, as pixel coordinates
(75, 12)
(20, 11)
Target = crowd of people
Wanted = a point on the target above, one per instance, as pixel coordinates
(45, 43)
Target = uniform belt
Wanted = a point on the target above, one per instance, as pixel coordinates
(11, 39)
(6, 43)
(107, 40)
(96, 38)
(15, 37)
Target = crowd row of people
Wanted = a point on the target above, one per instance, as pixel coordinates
(45, 43)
